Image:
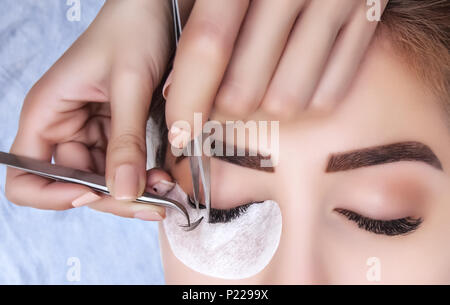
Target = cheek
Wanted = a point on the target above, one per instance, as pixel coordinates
(235, 250)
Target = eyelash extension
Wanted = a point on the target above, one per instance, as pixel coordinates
(223, 216)
(393, 227)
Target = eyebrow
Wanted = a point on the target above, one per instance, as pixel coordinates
(248, 161)
(403, 151)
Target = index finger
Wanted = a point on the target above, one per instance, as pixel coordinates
(202, 57)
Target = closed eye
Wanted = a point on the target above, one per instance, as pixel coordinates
(223, 216)
(401, 226)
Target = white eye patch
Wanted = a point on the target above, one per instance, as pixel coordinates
(235, 250)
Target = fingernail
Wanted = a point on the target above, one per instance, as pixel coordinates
(178, 136)
(126, 182)
(85, 199)
(166, 86)
(163, 187)
(148, 215)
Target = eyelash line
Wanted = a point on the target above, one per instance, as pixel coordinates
(223, 216)
(401, 226)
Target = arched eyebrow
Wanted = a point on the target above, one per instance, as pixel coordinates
(396, 152)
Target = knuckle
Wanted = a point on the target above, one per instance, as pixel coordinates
(129, 70)
(34, 95)
(11, 194)
(334, 12)
(289, 6)
(127, 142)
(281, 105)
(232, 100)
(128, 75)
(208, 40)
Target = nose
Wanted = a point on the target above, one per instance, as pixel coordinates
(299, 258)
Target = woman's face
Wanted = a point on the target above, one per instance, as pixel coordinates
(363, 186)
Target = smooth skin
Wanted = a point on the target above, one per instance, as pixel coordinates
(386, 103)
(89, 111)
(278, 57)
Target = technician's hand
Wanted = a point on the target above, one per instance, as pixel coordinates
(89, 112)
(279, 57)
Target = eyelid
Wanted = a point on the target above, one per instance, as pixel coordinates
(386, 192)
(394, 227)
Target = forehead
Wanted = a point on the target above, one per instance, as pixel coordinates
(386, 103)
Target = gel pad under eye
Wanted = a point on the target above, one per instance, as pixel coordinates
(238, 249)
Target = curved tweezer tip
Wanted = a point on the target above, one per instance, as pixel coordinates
(193, 225)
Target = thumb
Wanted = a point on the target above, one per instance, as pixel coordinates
(126, 155)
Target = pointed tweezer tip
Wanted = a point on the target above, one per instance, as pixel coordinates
(193, 225)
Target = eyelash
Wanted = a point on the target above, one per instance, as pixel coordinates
(393, 227)
(223, 216)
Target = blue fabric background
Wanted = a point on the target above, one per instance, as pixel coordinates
(35, 245)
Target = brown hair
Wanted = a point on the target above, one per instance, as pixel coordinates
(419, 31)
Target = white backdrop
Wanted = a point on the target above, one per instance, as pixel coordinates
(46, 247)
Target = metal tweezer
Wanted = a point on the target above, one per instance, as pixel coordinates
(94, 181)
(200, 170)
(198, 161)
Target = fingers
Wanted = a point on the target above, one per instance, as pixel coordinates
(128, 209)
(34, 191)
(305, 57)
(30, 190)
(126, 154)
(203, 54)
(345, 59)
(77, 155)
(158, 182)
(74, 155)
(258, 49)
